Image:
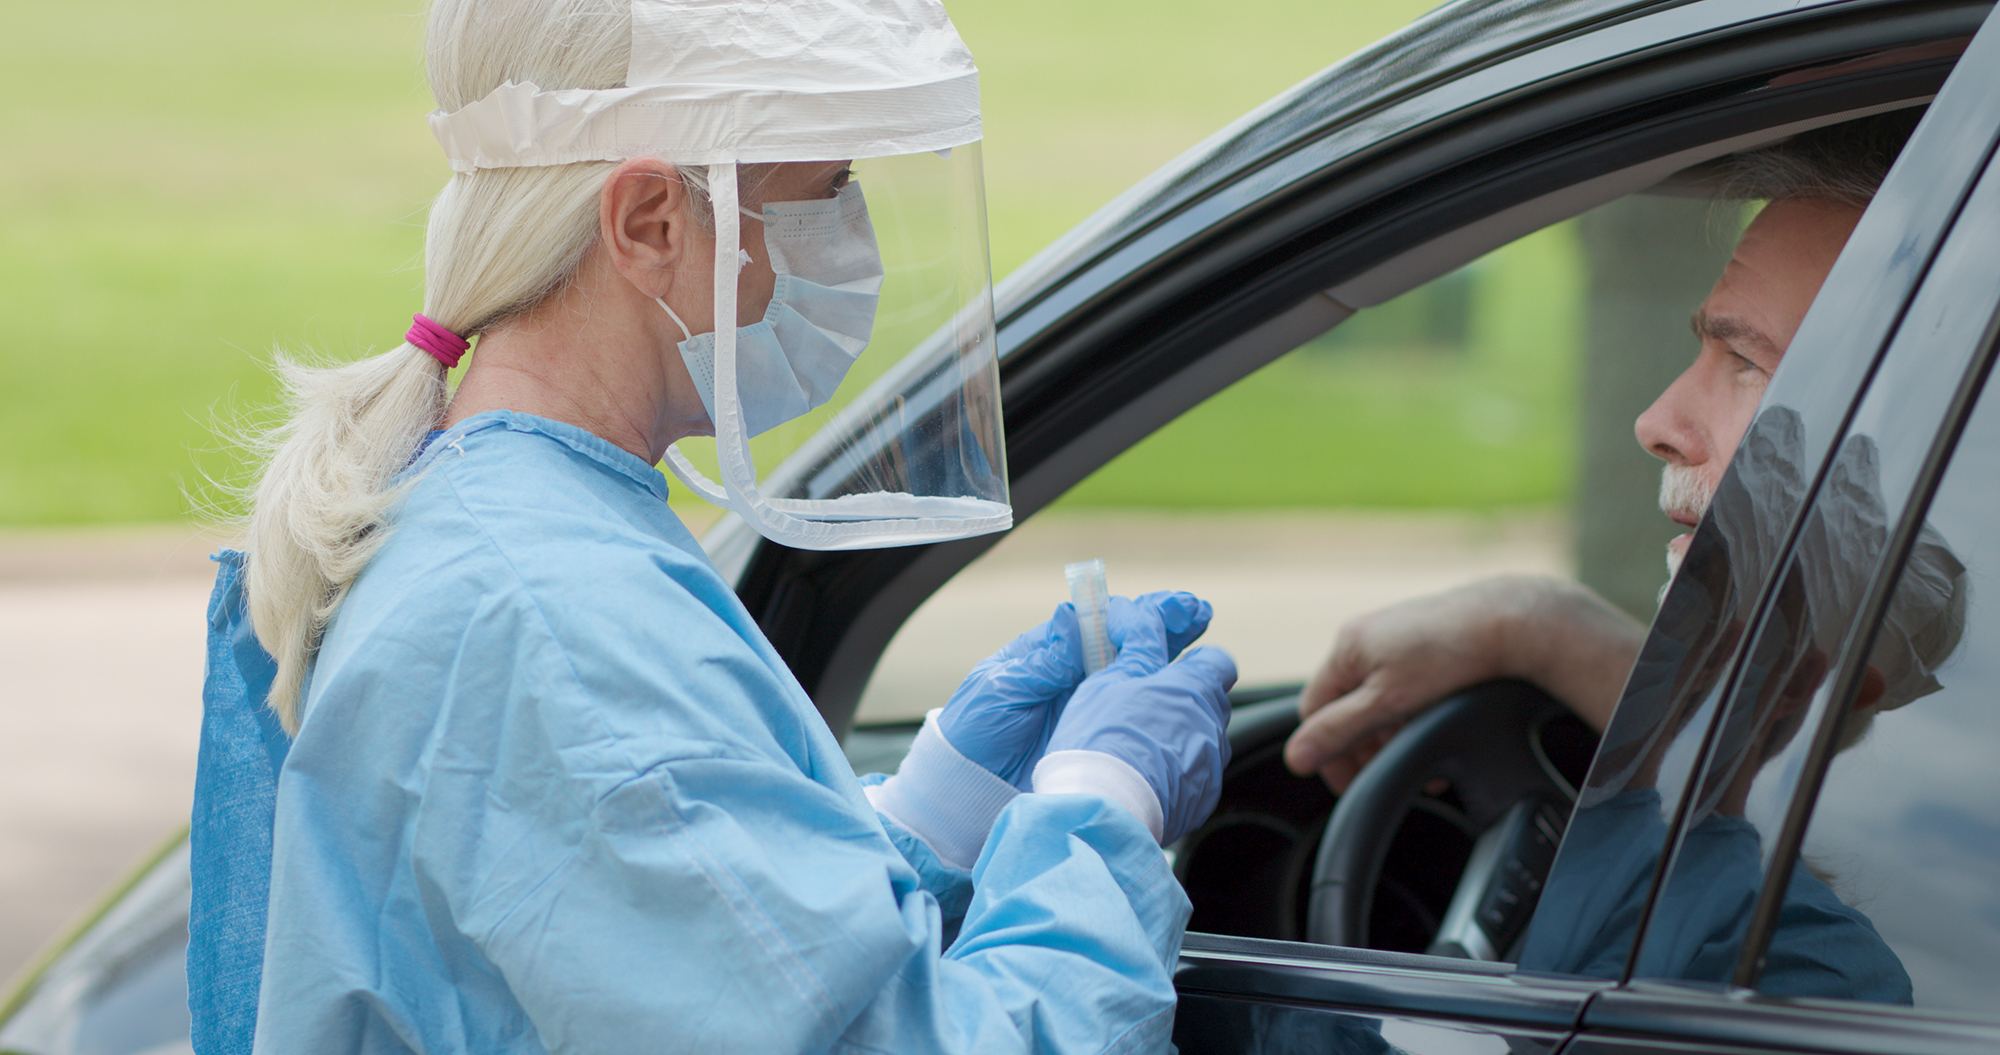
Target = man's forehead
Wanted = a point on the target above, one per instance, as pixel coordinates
(1771, 278)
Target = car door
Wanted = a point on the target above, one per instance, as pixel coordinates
(1851, 736)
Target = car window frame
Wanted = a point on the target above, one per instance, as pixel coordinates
(1130, 350)
(1218, 967)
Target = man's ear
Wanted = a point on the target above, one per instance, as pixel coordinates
(645, 222)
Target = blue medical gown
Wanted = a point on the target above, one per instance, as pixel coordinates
(555, 792)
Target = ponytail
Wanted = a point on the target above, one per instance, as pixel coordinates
(499, 242)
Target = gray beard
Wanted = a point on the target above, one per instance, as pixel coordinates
(1682, 490)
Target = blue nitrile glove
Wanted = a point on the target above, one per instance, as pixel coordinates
(1003, 713)
(1147, 733)
(977, 752)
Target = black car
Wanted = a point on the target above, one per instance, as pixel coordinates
(1862, 514)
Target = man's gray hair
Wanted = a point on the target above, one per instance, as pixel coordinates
(1843, 163)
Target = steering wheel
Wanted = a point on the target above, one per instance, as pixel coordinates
(1486, 741)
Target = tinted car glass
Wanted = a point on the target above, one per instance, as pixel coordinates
(1907, 827)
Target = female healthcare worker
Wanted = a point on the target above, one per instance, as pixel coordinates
(541, 784)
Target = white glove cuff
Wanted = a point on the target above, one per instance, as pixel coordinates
(942, 797)
(1097, 773)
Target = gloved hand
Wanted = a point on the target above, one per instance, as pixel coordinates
(1163, 722)
(1004, 712)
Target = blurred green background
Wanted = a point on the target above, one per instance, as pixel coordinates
(186, 186)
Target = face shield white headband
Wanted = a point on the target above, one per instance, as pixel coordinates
(722, 85)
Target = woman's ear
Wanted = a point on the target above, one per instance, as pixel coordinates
(645, 222)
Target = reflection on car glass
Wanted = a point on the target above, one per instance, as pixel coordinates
(1596, 897)
(1907, 826)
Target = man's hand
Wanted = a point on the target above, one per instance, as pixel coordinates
(1391, 664)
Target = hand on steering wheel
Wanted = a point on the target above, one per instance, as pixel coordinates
(1386, 667)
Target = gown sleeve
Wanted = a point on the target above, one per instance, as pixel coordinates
(699, 909)
(952, 887)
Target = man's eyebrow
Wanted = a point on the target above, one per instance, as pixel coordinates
(1730, 330)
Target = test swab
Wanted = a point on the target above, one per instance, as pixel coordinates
(1092, 598)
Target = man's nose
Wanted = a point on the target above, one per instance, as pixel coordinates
(1668, 429)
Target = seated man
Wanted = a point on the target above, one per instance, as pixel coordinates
(1388, 665)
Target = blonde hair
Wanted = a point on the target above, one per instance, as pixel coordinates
(498, 242)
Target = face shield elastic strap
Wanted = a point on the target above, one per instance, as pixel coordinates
(677, 461)
(734, 457)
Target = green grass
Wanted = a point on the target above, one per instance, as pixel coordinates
(1387, 411)
(186, 186)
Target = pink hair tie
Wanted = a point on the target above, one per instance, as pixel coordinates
(445, 346)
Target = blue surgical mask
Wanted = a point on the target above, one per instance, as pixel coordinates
(822, 310)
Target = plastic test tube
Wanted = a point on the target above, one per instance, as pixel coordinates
(1093, 601)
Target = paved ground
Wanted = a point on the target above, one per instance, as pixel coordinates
(100, 700)
(1281, 584)
(101, 649)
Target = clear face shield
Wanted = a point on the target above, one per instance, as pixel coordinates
(861, 407)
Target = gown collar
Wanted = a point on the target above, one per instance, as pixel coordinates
(589, 444)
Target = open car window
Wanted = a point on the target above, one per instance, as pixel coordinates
(1423, 442)
(1477, 424)
(1510, 383)
(1305, 493)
